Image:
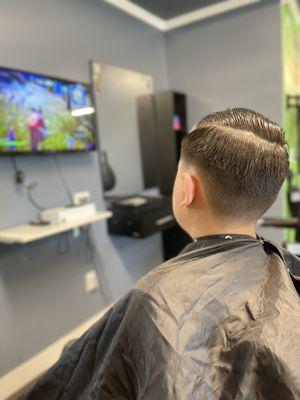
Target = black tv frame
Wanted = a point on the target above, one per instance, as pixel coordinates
(55, 153)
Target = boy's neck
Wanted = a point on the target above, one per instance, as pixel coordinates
(208, 229)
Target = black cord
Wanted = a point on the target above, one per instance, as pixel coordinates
(93, 254)
(31, 198)
(63, 243)
(64, 182)
(87, 256)
(15, 165)
(19, 174)
(20, 178)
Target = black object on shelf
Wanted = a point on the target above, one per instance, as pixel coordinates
(139, 216)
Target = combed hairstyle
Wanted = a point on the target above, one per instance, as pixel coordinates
(242, 158)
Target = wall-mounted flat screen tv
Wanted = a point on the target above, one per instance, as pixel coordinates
(41, 114)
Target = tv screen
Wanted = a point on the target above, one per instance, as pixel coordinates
(40, 114)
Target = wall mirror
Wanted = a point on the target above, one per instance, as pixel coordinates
(116, 91)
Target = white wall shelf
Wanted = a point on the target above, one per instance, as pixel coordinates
(30, 233)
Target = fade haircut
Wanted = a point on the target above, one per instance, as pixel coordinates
(242, 158)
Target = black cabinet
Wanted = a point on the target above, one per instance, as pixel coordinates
(162, 126)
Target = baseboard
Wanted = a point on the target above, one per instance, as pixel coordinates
(14, 381)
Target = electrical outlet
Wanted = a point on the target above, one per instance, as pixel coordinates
(91, 281)
(76, 232)
(81, 198)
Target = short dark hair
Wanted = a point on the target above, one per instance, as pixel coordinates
(243, 159)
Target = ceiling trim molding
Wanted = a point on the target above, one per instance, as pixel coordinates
(207, 12)
(139, 13)
(182, 20)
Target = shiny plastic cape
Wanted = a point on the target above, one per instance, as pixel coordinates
(220, 321)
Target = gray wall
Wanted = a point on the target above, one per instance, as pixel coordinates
(42, 291)
(230, 60)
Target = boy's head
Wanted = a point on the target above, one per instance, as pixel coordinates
(232, 166)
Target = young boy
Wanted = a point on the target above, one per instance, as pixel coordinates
(221, 320)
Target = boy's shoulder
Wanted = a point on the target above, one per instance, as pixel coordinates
(157, 275)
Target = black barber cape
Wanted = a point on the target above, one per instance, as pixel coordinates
(220, 321)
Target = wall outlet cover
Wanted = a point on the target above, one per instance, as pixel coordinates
(91, 281)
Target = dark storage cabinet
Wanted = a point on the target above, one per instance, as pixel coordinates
(162, 126)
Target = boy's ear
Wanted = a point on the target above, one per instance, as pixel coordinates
(189, 189)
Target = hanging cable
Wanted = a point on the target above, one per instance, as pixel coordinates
(19, 174)
(14, 164)
(64, 243)
(32, 200)
(95, 259)
(20, 179)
